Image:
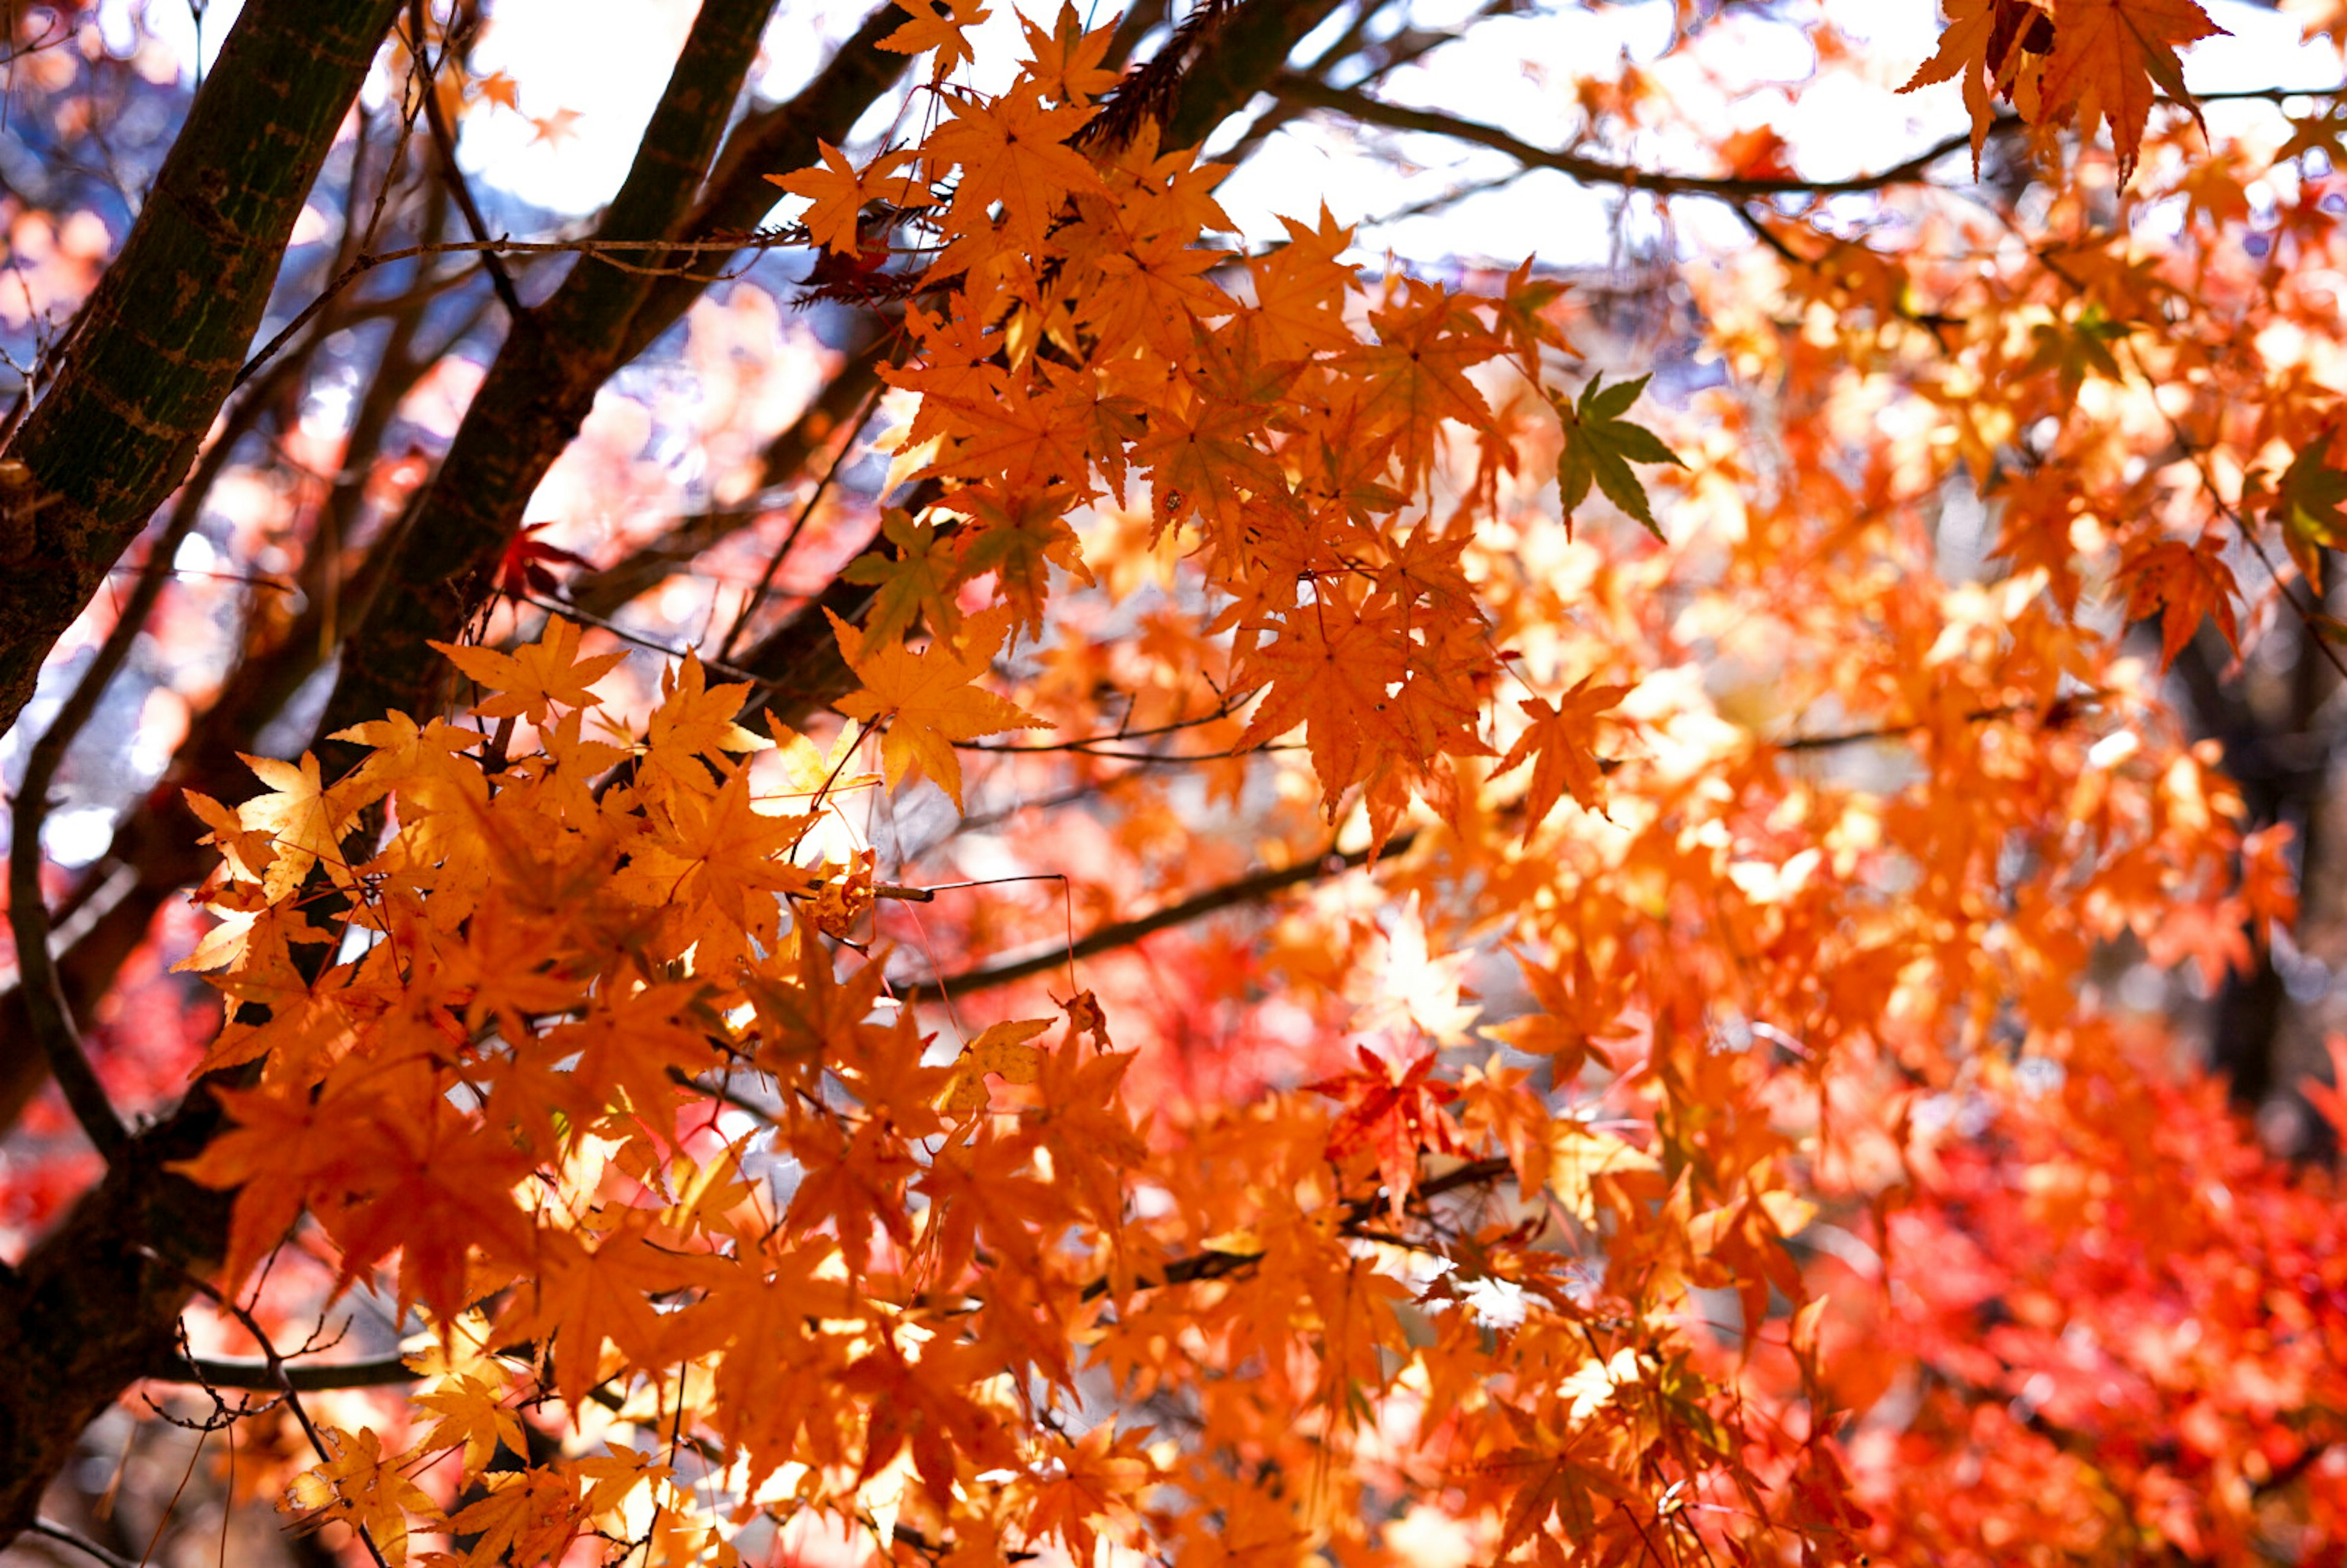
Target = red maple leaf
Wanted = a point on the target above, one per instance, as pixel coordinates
(522, 571)
(1394, 1111)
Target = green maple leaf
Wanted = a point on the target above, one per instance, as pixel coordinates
(1600, 446)
(2308, 495)
(913, 588)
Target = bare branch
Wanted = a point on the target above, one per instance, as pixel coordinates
(313, 1378)
(444, 139)
(1124, 933)
(1359, 106)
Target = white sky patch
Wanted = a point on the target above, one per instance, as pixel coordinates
(607, 60)
(1496, 1303)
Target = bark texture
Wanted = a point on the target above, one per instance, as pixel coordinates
(92, 1310)
(160, 342)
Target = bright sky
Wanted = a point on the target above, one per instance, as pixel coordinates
(607, 60)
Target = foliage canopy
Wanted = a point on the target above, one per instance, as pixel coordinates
(1314, 909)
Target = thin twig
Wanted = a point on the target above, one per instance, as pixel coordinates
(563, 607)
(750, 606)
(1214, 1265)
(281, 1380)
(444, 139)
(609, 250)
(1732, 188)
(1900, 731)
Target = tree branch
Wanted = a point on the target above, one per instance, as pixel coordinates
(770, 141)
(1599, 172)
(444, 140)
(540, 387)
(304, 1378)
(1124, 933)
(88, 1313)
(48, 1014)
(81, 1544)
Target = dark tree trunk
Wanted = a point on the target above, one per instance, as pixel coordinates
(160, 342)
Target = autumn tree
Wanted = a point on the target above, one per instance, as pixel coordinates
(967, 837)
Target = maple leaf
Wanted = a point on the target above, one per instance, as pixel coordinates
(948, 34)
(806, 1015)
(522, 570)
(245, 851)
(531, 1515)
(2309, 494)
(473, 1415)
(1416, 371)
(914, 588)
(1300, 290)
(358, 1484)
(1600, 446)
(531, 681)
(719, 863)
(1979, 46)
(1523, 316)
(1019, 538)
(2108, 57)
(693, 727)
(581, 1297)
(840, 192)
(2325, 133)
(1392, 1111)
(497, 87)
(554, 129)
(2186, 584)
(1001, 1049)
(305, 820)
(927, 699)
(1065, 61)
(1336, 672)
(1559, 734)
(1014, 151)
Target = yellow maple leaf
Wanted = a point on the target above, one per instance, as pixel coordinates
(927, 700)
(302, 818)
(1000, 1049)
(529, 681)
(691, 729)
(359, 1485)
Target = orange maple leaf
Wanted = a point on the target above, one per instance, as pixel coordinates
(2110, 56)
(1560, 734)
(1979, 47)
(1014, 151)
(947, 35)
(302, 818)
(840, 191)
(529, 681)
(927, 699)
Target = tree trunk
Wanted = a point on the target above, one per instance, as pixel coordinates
(160, 342)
